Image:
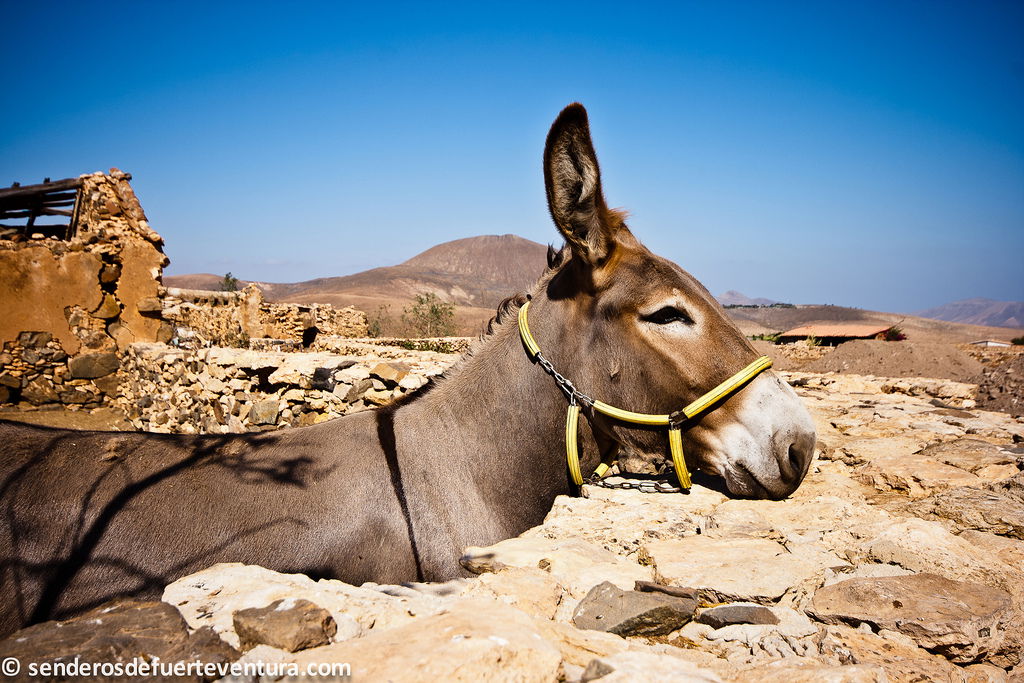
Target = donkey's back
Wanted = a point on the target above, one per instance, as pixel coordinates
(91, 515)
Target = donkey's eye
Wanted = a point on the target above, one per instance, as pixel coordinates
(666, 315)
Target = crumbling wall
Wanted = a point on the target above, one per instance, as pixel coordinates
(68, 306)
(219, 390)
(236, 318)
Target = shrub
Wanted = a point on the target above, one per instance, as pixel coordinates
(1017, 341)
(430, 317)
(378, 321)
(812, 341)
(229, 283)
(894, 333)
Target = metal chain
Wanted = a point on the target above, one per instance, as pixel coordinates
(564, 383)
(576, 396)
(641, 485)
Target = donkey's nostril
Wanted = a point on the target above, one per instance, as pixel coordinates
(794, 458)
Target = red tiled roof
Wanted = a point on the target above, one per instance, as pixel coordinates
(852, 330)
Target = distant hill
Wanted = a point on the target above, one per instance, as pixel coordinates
(474, 273)
(477, 272)
(769, 320)
(979, 312)
(734, 298)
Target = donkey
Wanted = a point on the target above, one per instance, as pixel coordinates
(396, 494)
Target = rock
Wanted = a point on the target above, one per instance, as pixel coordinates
(789, 637)
(736, 613)
(5, 394)
(1005, 550)
(34, 340)
(110, 273)
(533, 591)
(677, 591)
(412, 382)
(579, 566)
(388, 373)
(630, 613)
(40, 391)
(92, 365)
(473, 641)
(212, 596)
(108, 308)
(109, 384)
(964, 622)
(358, 389)
(627, 667)
(973, 455)
(922, 546)
(798, 670)
(117, 632)
(896, 654)
(732, 569)
(290, 625)
(150, 304)
(980, 509)
(378, 397)
(265, 412)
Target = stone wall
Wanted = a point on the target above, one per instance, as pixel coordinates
(220, 390)
(69, 306)
(204, 318)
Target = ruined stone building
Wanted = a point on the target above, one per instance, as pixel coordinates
(81, 280)
(75, 292)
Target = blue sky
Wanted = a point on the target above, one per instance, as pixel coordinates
(866, 154)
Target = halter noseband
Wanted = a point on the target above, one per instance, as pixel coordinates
(673, 421)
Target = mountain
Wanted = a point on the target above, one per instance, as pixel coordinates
(734, 298)
(979, 311)
(474, 273)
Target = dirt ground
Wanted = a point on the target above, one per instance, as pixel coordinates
(101, 419)
(898, 359)
(1001, 380)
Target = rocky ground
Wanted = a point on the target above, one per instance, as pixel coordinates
(901, 558)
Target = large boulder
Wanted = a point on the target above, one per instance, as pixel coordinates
(93, 365)
(963, 621)
(120, 633)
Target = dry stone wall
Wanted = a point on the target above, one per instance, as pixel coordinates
(211, 318)
(69, 306)
(221, 390)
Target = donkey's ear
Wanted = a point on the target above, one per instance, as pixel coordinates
(573, 182)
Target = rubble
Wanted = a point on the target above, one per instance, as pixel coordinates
(222, 390)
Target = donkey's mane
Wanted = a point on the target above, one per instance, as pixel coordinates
(507, 309)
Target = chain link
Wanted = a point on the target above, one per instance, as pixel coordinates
(576, 396)
(564, 383)
(641, 485)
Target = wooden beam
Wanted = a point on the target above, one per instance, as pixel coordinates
(38, 211)
(30, 190)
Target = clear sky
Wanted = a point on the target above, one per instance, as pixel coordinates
(863, 154)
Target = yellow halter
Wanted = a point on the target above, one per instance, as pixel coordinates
(673, 421)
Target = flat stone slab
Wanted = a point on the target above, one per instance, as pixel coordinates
(991, 509)
(631, 613)
(737, 613)
(578, 565)
(960, 620)
(729, 569)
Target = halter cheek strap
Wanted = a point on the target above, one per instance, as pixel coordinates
(674, 421)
